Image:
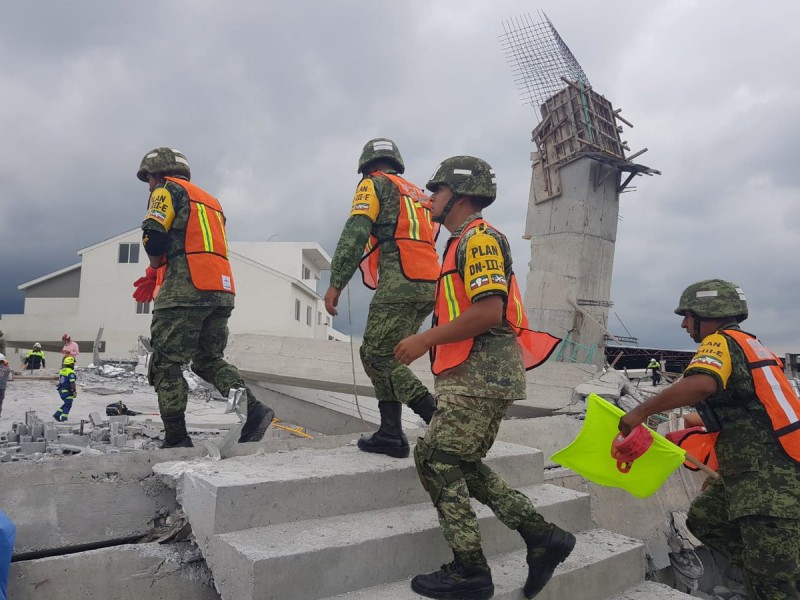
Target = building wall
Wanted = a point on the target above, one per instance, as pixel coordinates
(265, 299)
(66, 285)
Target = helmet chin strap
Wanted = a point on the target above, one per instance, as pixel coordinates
(446, 210)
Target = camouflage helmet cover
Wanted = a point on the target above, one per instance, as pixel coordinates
(466, 176)
(165, 161)
(713, 299)
(381, 148)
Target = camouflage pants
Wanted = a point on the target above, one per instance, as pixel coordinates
(189, 334)
(449, 466)
(766, 549)
(387, 324)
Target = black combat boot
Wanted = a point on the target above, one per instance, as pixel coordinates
(389, 439)
(259, 418)
(457, 581)
(175, 435)
(424, 407)
(545, 552)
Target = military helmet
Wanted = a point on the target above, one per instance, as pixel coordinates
(69, 360)
(383, 149)
(466, 176)
(713, 299)
(164, 161)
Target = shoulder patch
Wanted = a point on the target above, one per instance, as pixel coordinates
(713, 356)
(484, 266)
(161, 208)
(365, 200)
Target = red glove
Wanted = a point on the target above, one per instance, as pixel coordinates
(145, 286)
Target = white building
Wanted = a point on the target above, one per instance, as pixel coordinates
(276, 293)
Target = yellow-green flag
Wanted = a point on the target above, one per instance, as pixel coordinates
(589, 454)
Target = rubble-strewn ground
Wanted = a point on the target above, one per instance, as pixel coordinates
(205, 417)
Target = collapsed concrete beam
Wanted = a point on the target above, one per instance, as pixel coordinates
(336, 367)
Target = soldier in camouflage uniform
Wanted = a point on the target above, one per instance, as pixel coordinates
(402, 299)
(752, 513)
(189, 324)
(480, 375)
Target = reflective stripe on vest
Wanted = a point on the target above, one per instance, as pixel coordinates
(452, 300)
(414, 234)
(773, 390)
(205, 245)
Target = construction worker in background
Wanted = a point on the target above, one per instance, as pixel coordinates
(35, 358)
(752, 513)
(655, 367)
(67, 389)
(6, 375)
(480, 348)
(70, 348)
(389, 233)
(184, 237)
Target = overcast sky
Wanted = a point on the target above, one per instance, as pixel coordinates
(273, 101)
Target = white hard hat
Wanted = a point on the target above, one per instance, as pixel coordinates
(2, 356)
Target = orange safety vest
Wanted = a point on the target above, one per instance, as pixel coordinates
(699, 443)
(206, 246)
(415, 236)
(452, 300)
(773, 391)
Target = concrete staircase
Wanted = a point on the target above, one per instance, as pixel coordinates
(322, 523)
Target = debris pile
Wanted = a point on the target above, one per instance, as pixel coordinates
(36, 439)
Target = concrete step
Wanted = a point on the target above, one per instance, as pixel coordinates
(650, 590)
(254, 491)
(603, 563)
(318, 557)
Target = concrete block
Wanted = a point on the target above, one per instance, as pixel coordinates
(316, 483)
(650, 590)
(136, 444)
(601, 564)
(12, 436)
(23, 439)
(259, 564)
(123, 419)
(37, 430)
(6, 457)
(21, 428)
(96, 418)
(74, 440)
(3, 438)
(117, 428)
(119, 440)
(29, 448)
(50, 434)
(101, 435)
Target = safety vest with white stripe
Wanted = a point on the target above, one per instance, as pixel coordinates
(415, 236)
(206, 246)
(773, 390)
(452, 300)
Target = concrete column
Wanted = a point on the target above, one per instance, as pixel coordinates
(572, 252)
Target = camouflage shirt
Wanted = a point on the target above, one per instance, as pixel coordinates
(380, 219)
(169, 212)
(494, 367)
(759, 478)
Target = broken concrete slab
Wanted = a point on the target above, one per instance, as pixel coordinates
(131, 572)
